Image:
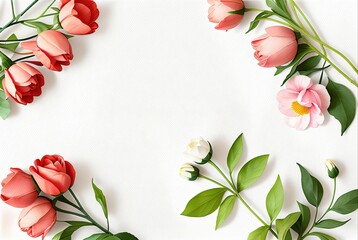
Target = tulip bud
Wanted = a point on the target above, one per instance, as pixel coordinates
(199, 150)
(332, 169)
(189, 172)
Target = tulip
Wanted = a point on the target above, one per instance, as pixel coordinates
(38, 218)
(189, 172)
(275, 48)
(18, 189)
(52, 49)
(22, 83)
(332, 169)
(199, 150)
(226, 13)
(78, 16)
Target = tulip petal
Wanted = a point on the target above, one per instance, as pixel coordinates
(229, 22)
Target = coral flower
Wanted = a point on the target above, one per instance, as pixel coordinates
(303, 102)
(219, 12)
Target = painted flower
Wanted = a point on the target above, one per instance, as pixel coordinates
(199, 150)
(18, 189)
(275, 48)
(189, 172)
(78, 16)
(52, 49)
(22, 83)
(303, 102)
(219, 12)
(38, 218)
(53, 174)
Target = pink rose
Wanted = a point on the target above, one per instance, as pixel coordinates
(303, 102)
(38, 218)
(53, 174)
(219, 13)
(275, 48)
(52, 49)
(18, 189)
(78, 16)
(22, 82)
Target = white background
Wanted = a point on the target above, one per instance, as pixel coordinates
(153, 76)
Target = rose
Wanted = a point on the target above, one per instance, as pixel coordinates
(38, 218)
(22, 82)
(52, 49)
(78, 16)
(18, 189)
(53, 174)
(199, 150)
(303, 102)
(332, 169)
(275, 48)
(219, 13)
(189, 172)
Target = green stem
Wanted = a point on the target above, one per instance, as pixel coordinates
(323, 67)
(217, 183)
(20, 39)
(331, 203)
(16, 18)
(13, 9)
(222, 174)
(295, 13)
(253, 10)
(313, 225)
(69, 212)
(23, 58)
(88, 217)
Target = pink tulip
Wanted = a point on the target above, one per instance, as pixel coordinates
(303, 102)
(38, 218)
(219, 13)
(78, 16)
(18, 189)
(52, 49)
(275, 48)
(53, 174)
(22, 82)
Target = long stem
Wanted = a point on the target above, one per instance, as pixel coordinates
(18, 16)
(20, 39)
(13, 9)
(331, 203)
(88, 217)
(222, 174)
(23, 58)
(217, 183)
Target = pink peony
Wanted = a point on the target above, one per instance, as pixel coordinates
(303, 102)
(275, 48)
(219, 13)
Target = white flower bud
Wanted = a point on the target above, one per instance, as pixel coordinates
(332, 168)
(199, 150)
(189, 172)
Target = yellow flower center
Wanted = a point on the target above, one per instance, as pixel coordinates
(299, 109)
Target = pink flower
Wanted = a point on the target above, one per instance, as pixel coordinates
(303, 102)
(53, 174)
(18, 189)
(22, 82)
(52, 49)
(38, 218)
(219, 13)
(78, 16)
(275, 48)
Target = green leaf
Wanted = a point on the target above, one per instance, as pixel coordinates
(56, 9)
(96, 236)
(6, 62)
(278, 8)
(283, 225)
(347, 203)
(225, 210)
(67, 232)
(10, 46)
(40, 26)
(274, 199)
(126, 236)
(251, 171)
(309, 63)
(322, 236)
(302, 223)
(343, 104)
(101, 199)
(312, 188)
(309, 72)
(235, 153)
(330, 223)
(111, 238)
(259, 234)
(4, 105)
(254, 23)
(204, 203)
